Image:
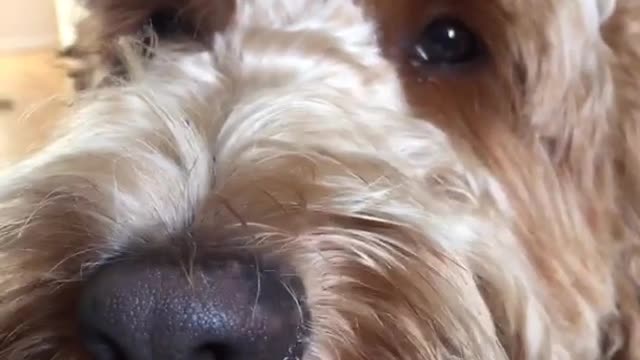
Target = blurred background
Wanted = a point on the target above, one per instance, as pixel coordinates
(32, 33)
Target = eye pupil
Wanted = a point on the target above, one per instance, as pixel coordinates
(167, 23)
(447, 42)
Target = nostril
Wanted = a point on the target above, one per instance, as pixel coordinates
(103, 347)
(214, 352)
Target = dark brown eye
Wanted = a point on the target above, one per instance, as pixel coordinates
(166, 23)
(447, 41)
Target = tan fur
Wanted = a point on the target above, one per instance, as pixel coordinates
(488, 215)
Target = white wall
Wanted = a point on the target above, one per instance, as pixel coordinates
(69, 12)
(28, 24)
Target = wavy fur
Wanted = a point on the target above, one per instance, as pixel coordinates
(288, 130)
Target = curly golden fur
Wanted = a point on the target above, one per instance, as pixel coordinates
(487, 213)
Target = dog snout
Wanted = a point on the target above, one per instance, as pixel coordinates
(224, 310)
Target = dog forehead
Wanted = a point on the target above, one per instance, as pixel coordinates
(598, 10)
(307, 13)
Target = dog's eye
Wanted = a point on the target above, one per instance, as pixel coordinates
(167, 23)
(447, 41)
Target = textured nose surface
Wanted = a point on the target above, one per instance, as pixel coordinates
(224, 310)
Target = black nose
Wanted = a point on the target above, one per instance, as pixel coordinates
(223, 310)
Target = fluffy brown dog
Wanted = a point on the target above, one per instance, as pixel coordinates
(335, 179)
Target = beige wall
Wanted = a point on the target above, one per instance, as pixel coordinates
(27, 24)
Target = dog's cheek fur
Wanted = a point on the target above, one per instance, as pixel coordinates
(548, 99)
(622, 36)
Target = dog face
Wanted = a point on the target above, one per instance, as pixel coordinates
(325, 180)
